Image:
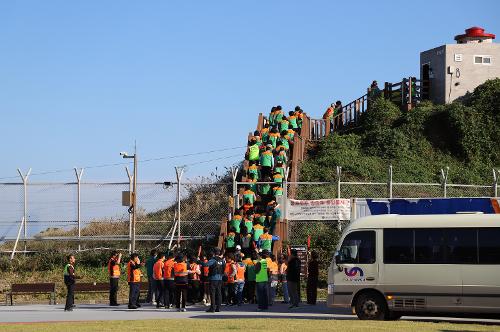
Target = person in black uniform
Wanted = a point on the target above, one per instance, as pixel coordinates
(69, 281)
(312, 279)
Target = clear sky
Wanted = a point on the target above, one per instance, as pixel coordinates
(79, 81)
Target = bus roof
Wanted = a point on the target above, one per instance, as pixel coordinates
(427, 221)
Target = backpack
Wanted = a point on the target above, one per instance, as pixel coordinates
(217, 268)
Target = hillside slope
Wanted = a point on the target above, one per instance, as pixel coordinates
(464, 136)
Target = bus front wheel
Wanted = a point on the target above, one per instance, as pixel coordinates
(371, 306)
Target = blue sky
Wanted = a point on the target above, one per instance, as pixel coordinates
(79, 81)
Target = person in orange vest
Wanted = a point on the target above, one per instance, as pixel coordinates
(282, 262)
(134, 281)
(168, 281)
(206, 280)
(114, 277)
(158, 280)
(240, 280)
(273, 280)
(194, 281)
(230, 273)
(181, 273)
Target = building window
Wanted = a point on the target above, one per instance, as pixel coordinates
(482, 59)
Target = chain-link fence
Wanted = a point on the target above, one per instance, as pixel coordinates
(84, 215)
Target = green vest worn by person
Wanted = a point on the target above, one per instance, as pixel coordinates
(284, 125)
(265, 189)
(266, 159)
(235, 223)
(261, 276)
(278, 191)
(230, 243)
(249, 225)
(258, 230)
(249, 196)
(278, 117)
(280, 170)
(251, 272)
(253, 169)
(284, 142)
(293, 121)
(266, 241)
(253, 152)
(66, 269)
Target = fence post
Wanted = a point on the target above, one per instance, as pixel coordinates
(17, 239)
(25, 185)
(234, 173)
(79, 174)
(339, 173)
(389, 182)
(444, 180)
(495, 183)
(130, 187)
(179, 171)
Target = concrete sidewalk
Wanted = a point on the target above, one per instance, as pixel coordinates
(99, 312)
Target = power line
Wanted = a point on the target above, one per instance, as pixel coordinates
(127, 163)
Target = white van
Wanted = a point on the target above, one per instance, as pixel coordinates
(387, 265)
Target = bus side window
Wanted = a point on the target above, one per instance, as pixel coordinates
(360, 246)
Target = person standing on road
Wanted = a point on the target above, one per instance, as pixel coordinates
(181, 282)
(261, 278)
(216, 270)
(149, 270)
(312, 279)
(293, 279)
(158, 280)
(284, 284)
(69, 281)
(114, 277)
(168, 281)
(134, 281)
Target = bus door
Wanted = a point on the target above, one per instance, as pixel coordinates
(356, 263)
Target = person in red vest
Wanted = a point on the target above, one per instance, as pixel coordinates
(181, 273)
(134, 281)
(158, 280)
(114, 277)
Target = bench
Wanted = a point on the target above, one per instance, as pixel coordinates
(39, 288)
(92, 287)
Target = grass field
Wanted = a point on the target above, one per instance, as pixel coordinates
(200, 325)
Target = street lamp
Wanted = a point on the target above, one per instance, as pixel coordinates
(134, 195)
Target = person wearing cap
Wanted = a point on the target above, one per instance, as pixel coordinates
(239, 280)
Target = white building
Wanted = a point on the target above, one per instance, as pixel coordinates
(450, 71)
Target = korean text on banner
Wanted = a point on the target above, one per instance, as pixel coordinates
(320, 209)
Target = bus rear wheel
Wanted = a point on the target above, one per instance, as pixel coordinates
(371, 306)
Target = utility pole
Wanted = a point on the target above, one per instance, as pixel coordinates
(134, 193)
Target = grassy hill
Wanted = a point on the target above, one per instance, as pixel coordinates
(464, 136)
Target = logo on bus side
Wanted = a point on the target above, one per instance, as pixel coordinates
(354, 274)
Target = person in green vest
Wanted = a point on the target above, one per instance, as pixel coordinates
(258, 230)
(253, 151)
(261, 278)
(265, 190)
(249, 290)
(292, 118)
(291, 134)
(280, 169)
(249, 195)
(253, 169)
(275, 213)
(284, 124)
(284, 139)
(272, 116)
(281, 156)
(278, 115)
(236, 222)
(265, 240)
(249, 221)
(267, 161)
(264, 133)
(278, 178)
(252, 182)
(231, 240)
(69, 281)
(277, 191)
(300, 118)
(273, 137)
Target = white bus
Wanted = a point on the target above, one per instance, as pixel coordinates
(387, 265)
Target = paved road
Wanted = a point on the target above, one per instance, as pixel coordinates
(92, 312)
